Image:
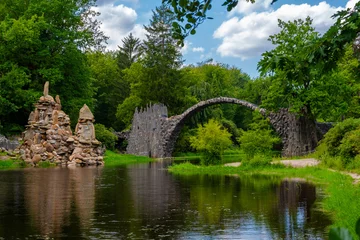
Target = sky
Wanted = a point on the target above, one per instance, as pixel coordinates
(237, 38)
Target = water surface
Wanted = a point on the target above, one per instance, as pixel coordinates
(144, 201)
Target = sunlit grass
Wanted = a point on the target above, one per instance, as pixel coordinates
(342, 196)
(11, 164)
(114, 159)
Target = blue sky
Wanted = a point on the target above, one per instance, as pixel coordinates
(236, 38)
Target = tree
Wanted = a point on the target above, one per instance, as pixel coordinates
(129, 52)
(308, 88)
(259, 139)
(193, 13)
(156, 77)
(43, 41)
(211, 140)
(111, 88)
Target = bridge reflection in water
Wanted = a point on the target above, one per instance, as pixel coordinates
(145, 201)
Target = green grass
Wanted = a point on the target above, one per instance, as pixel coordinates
(11, 164)
(45, 164)
(115, 159)
(342, 196)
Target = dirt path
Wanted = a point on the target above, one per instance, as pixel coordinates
(302, 163)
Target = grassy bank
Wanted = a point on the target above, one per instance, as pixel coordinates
(342, 201)
(114, 159)
(11, 164)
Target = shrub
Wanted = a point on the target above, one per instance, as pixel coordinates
(330, 144)
(254, 142)
(260, 139)
(211, 140)
(340, 146)
(259, 160)
(105, 136)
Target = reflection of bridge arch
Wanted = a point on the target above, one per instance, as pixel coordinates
(154, 134)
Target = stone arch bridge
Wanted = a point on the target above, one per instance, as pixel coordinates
(154, 134)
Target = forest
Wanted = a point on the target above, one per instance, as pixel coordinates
(314, 75)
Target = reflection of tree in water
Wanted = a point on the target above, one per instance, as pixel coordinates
(147, 205)
(252, 204)
(61, 201)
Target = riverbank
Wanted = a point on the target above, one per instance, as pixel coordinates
(342, 196)
(111, 159)
(114, 159)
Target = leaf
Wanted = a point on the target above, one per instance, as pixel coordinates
(339, 234)
(188, 26)
(357, 227)
(193, 31)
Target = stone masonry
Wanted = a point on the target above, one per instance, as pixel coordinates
(48, 136)
(153, 134)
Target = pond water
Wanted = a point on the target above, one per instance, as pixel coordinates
(144, 201)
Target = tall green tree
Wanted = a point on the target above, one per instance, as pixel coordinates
(44, 41)
(157, 78)
(111, 87)
(129, 52)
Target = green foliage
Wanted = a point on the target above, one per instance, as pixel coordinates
(129, 52)
(183, 144)
(125, 110)
(43, 41)
(258, 160)
(331, 143)
(45, 164)
(190, 13)
(113, 159)
(340, 146)
(211, 140)
(111, 88)
(260, 139)
(302, 82)
(105, 136)
(340, 233)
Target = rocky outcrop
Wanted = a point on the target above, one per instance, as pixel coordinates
(48, 136)
(6, 144)
(88, 150)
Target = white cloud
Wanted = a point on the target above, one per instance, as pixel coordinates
(186, 47)
(118, 22)
(351, 3)
(198, 49)
(248, 7)
(104, 2)
(247, 37)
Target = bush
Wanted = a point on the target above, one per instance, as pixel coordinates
(260, 139)
(105, 136)
(254, 142)
(259, 160)
(340, 147)
(330, 144)
(211, 140)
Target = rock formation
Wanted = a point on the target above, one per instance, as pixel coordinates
(48, 136)
(88, 150)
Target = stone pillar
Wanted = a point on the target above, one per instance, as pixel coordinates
(299, 134)
(88, 150)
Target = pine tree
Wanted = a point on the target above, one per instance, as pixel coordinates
(130, 51)
(160, 47)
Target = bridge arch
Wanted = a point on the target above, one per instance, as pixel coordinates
(177, 122)
(154, 134)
